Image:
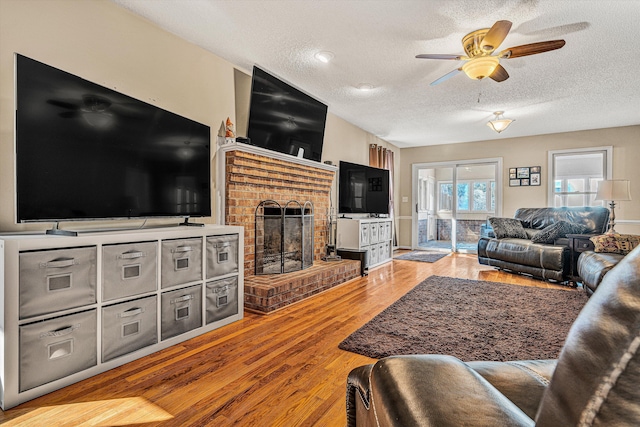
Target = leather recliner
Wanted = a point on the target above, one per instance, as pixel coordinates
(594, 382)
(592, 266)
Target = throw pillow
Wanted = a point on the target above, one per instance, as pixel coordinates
(508, 227)
(615, 243)
(557, 230)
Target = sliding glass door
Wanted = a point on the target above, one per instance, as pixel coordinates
(433, 230)
(452, 203)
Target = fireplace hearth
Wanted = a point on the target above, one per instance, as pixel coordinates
(283, 237)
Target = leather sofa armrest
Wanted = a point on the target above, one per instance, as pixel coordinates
(358, 398)
(436, 390)
(523, 381)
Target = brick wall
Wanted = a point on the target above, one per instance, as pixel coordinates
(251, 178)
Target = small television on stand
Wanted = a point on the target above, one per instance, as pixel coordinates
(362, 190)
(87, 152)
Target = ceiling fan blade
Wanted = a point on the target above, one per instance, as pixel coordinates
(446, 76)
(531, 49)
(439, 56)
(495, 36)
(499, 74)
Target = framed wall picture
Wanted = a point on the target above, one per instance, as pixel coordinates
(535, 179)
(523, 173)
(525, 176)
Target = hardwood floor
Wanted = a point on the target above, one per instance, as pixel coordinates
(282, 369)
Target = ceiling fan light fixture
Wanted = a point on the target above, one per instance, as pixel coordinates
(499, 123)
(480, 67)
(324, 56)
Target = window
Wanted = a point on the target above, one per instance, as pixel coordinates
(445, 196)
(480, 192)
(575, 175)
(473, 196)
(463, 196)
(426, 198)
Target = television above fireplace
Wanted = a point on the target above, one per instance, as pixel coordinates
(285, 119)
(84, 151)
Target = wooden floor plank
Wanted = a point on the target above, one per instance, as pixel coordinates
(281, 369)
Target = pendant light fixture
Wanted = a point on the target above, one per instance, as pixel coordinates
(499, 123)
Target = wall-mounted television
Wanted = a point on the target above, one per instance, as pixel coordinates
(285, 119)
(362, 189)
(84, 151)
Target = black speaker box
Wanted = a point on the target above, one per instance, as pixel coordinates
(361, 255)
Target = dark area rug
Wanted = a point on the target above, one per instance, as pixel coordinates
(422, 256)
(472, 320)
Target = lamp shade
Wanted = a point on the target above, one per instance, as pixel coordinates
(499, 123)
(616, 189)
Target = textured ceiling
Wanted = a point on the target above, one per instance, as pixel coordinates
(592, 82)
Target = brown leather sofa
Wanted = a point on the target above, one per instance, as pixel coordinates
(549, 261)
(594, 382)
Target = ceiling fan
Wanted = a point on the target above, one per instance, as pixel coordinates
(479, 46)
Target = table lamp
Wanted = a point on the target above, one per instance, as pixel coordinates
(612, 191)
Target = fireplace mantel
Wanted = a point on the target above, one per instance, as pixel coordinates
(247, 148)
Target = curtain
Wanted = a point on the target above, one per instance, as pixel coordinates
(380, 157)
(373, 155)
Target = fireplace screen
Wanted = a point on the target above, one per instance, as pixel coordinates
(284, 237)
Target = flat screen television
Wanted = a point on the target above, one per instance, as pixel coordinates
(84, 151)
(362, 189)
(285, 119)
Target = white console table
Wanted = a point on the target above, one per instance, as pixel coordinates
(73, 307)
(373, 235)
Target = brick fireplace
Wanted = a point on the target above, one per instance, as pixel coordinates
(250, 178)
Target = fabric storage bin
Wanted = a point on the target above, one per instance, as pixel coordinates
(365, 238)
(128, 269)
(181, 261)
(56, 348)
(383, 251)
(181, 311)
(374, 233)
(129, 326)
(54, 280)
(222, 299)
(373, 254)
(222, 255)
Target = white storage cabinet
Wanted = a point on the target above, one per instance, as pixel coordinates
(73, 307)
(373, 235)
